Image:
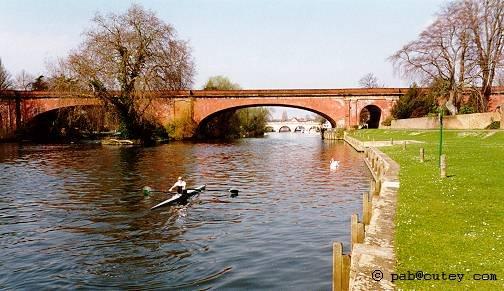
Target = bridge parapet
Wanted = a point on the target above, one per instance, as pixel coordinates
(341, 107)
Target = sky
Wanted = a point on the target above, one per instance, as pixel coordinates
(259, 44)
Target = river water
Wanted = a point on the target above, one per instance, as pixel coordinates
(74, 216)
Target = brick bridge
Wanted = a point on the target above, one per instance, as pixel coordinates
(341, 107)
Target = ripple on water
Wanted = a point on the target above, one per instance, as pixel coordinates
(74, 216)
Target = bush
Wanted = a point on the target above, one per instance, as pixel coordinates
(414, 103)
(181, 128)
(465, 109)
(494, 125)
(387, 121)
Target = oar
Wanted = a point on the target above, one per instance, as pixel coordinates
(232, 191)
(148, 190)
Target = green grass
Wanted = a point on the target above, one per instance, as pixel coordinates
(451, 225)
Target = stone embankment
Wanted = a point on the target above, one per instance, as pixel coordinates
(372, 258)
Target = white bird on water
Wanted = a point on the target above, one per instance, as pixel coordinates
(334, 164)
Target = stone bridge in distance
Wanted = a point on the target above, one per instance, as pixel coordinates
(341, 107)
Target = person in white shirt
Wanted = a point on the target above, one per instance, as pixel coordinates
(180, 185)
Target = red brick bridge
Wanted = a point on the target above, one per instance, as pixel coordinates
(341, 107)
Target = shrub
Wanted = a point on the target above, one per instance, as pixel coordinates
(466, 109)
(494, 125)
(387, 121)
(181, 128)
(414, 103)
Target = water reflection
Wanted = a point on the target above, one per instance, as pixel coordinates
(74, 216)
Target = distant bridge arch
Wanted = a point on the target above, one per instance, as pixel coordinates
(285, 128)
(295, 125)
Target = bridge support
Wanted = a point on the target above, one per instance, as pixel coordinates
(18, 111)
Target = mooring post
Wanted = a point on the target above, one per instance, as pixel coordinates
(377, 187)
(366, 208)
(422, 155)
(501, 109)
(341, 268)
(443, 166)
(354, 220)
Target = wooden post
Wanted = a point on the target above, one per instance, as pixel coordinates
(502, 116)
(354, 220)
(391, 141)
(337, 265)
(356, 230)
(377, 187)
(360, 232)
(341, 268)
(422, 155)
(404, 145)
(366, 208)
(345, 282)
(443, 166)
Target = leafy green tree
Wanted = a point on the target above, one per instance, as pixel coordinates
(247, 122)
(252, 121)
(220, 83)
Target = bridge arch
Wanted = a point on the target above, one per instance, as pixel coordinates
(299, 128)
(370, 116)
(67, 121)
(203, 120)
(269, 129)
(285, 128)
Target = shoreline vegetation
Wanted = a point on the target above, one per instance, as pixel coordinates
(450, 225)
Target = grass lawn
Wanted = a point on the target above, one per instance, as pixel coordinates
(453, 225)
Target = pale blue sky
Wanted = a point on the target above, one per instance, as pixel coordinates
(257, 43)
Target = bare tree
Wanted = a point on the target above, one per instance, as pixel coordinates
(369, 81)
(485, 19)
(123, 56)
(439, 53)
(23, 80)
(5, 78)
(463, 47)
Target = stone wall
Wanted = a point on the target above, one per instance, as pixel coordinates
(462, 121)
(376, 251)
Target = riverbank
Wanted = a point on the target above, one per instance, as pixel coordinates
(452, 225)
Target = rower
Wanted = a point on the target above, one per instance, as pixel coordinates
(180, 185)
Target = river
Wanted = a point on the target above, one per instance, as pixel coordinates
(74, 216)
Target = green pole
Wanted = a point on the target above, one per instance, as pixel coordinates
(440, 135)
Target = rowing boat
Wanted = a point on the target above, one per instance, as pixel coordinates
(180, 198)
